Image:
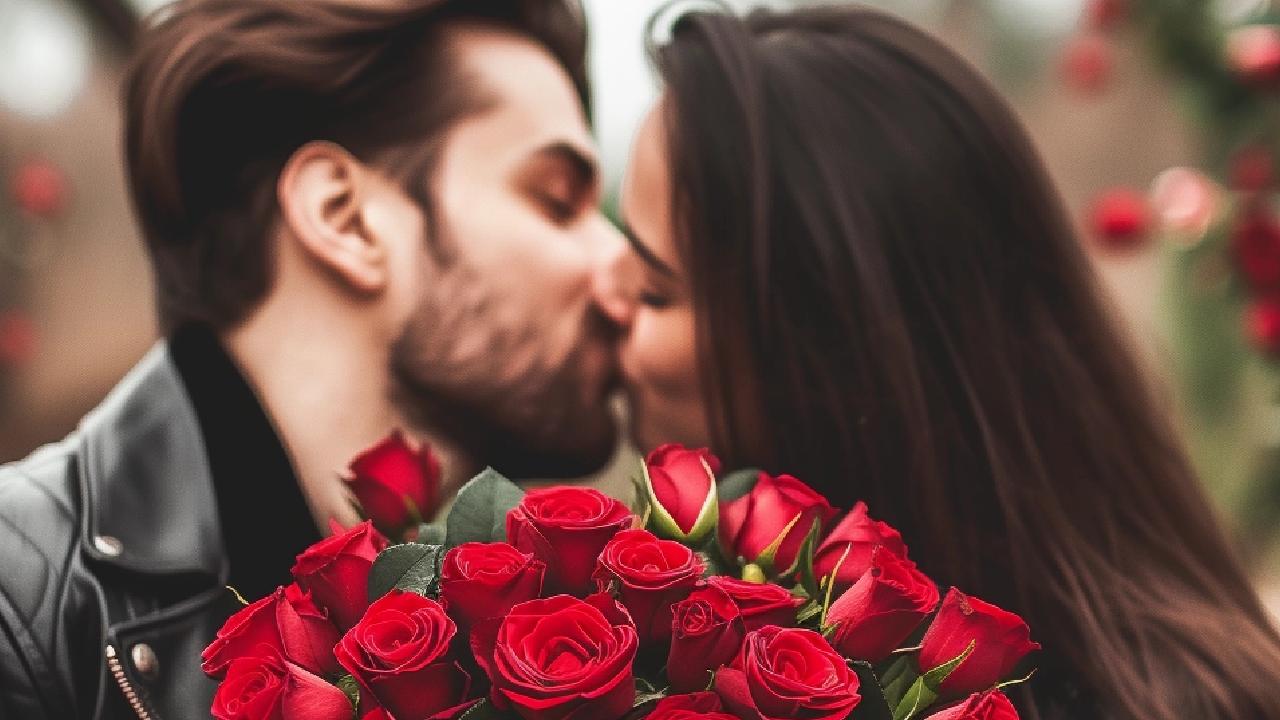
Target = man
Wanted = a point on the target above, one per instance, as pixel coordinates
(360, 216)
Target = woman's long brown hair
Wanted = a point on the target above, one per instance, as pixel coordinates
(892, 306)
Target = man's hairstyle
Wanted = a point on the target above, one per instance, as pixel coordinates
(222, 92)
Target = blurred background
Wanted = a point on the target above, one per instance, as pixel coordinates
(1159, 119)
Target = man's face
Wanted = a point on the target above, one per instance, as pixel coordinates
(505, 352)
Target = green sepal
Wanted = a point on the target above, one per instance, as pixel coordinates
(829, 582)
(351, 688)
(662, 524)
(897, 677)
(873, 705)
(924, 691)
(411, 567)
(767, 556)
(809, 611)
(485, 710)
(479, 513)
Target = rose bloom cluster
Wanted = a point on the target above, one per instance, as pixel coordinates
(750, 605)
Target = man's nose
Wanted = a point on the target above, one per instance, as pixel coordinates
(606, 281)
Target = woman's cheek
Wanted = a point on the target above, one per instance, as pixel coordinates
(660, 362)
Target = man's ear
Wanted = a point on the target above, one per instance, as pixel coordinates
(322, 193)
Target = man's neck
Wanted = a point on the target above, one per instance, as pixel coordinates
(329, 400)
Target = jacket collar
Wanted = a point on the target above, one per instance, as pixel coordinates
(145, 482)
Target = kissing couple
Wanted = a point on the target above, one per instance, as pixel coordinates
(838, 256)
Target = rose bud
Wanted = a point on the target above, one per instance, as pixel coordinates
(336, 572)
(268, 687)
(1255, 242)
(694, 706)
(990, 705)
(398, 652)
(887, 603)
(768, 526)
(397, 486)
(788, 673)
(287, 621)
(860, 536)
(559, 658)
(566, 528)
(482, 581)
(648, 575)
(759, 603)
(681, 487)
(706, 633)
(1000, 639)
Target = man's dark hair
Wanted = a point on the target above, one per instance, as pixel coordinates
(222, 92)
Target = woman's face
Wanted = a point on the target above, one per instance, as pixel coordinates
(643, 287)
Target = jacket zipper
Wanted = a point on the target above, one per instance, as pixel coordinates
(126, 687)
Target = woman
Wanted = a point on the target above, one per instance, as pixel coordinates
(848, 264)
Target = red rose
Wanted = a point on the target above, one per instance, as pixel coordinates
(1256, 242)
(561, 658)
(1120, 219)
(1253, 52)
(288, 622)
(990, 705)
(681, 486)
(706, 633)
(399, 654)
(482, 581)
(861, 535)
(1262, 325)
(760, 603)
(396, 485)
(336, 572)
(268, 687)
(788, 673)
(1087, 62)
(1000, 640)
(889, 601)
(649, 575)
(694, 706)
(566, 528)
(776, 507)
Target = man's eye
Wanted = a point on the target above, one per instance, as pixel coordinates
(654, 300)
(558, 209)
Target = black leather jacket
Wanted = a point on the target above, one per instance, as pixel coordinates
(112, 571)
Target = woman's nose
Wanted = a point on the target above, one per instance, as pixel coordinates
(607, 282)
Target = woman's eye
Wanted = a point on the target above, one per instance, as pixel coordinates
(654, 300)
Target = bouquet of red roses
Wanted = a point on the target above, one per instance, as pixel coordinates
(724, 600)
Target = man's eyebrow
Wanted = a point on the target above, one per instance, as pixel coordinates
(583, 164)
(649, 257)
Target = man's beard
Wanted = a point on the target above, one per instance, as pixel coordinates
(479, 371)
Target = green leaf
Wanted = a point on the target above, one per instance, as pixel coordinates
(349, 687)
(737, 484)
(899, 676)
(925, 689)
(430, 534)
(411, 567)
(917, 698)
(873, 705)
(479, 513)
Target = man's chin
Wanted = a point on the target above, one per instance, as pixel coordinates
(578, 456)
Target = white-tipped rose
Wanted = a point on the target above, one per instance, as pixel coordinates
(680, 487)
